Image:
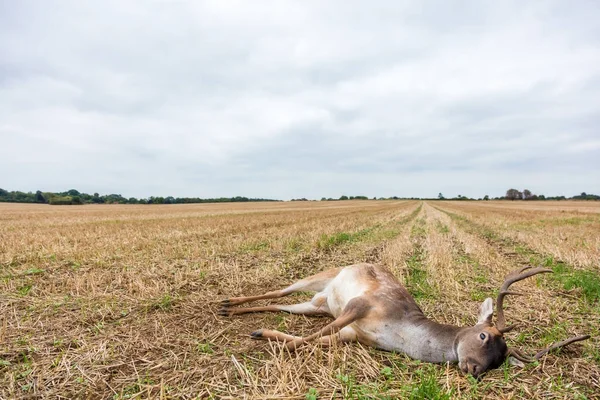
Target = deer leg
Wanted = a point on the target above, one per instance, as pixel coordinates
(346, 334)
(315, 283)
(356, 309)
(308, 308)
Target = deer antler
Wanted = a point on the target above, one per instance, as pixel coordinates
(513, 277)
(563, 343)
(522, 357)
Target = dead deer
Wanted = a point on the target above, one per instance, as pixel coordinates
(372, 307)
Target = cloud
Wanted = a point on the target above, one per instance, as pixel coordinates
(299, 99)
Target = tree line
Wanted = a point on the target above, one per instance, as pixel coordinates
(74, 197)
(514, 194)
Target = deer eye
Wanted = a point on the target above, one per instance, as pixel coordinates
(482, 336)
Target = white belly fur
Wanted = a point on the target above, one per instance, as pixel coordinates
(342, 289)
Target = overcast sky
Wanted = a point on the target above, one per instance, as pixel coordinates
(300, 99)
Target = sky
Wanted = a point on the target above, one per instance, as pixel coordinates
(289, 99)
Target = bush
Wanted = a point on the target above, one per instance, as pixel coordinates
(62, 201)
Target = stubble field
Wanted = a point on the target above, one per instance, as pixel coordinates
(121, 302)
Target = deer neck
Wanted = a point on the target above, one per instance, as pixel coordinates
(423, 339)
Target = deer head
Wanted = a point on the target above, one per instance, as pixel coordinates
(483, 346)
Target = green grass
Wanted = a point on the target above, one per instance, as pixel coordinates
(376, 233)
(34, 271)
(294, 245)
(204, 348)
(416, 280)
(327, 242)
(554, 333)
(256, 246)
(442, 228)
(351, 389)
(427, 387)
(24, 290)
(312, 394)
(163, 303)
(587, 282)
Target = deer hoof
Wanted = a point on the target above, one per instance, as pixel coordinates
(257, 334)
(225, 312)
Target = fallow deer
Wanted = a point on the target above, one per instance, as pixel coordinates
(372, 307)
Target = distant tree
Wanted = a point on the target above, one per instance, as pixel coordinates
(344, 198)
(586, 196)
(512, 194)
(73, 192)
(39, 197)
(486, 197)
(440, 196)
(97, 199)
(527, 194)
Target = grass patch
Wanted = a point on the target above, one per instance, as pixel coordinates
(294, 245)
(427, 387)
(351, 389)
(416, 280)
(204, 348)
(312, 394)
(328, 242)
(163, 303)
(576, 221)
(442, 228)
(554, 333)
(24, 290)
(376, 233)
(256, 246)
(587, 282)
(34, 271)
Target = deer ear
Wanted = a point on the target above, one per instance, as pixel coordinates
(486, 311)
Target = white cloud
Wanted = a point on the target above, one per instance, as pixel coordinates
(299, 99)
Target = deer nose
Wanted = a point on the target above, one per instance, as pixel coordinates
(473, 369)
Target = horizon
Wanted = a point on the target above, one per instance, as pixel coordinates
(288, 100)
(318, 198)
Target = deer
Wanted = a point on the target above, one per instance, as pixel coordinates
(370, 306)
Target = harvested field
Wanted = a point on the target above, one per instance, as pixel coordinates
(120, 301)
